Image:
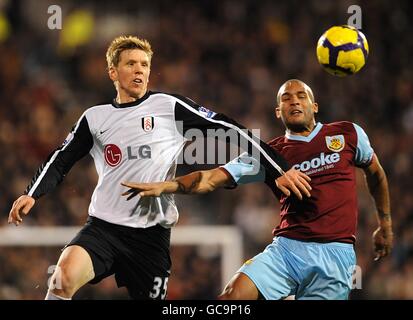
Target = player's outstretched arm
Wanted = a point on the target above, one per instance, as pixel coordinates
(206, 181)
(377, 183)
(197, 182)
(22, 205)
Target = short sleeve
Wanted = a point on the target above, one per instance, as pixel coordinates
(364, 152)
(245, 169)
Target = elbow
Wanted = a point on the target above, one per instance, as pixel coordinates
(209, 188)
(206, 188)
(205, 183)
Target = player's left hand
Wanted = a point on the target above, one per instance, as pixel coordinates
(154, 189)
(383, 242)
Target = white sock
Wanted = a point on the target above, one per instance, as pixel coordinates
(51, 296)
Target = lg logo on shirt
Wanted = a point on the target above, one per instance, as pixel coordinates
(113, 154)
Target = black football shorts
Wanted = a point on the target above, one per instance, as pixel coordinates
(139, 258)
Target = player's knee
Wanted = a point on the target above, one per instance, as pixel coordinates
(229, 293)
(240, 288)
(64, 281)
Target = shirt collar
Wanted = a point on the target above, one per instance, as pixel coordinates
(133, 103)
(310, 137)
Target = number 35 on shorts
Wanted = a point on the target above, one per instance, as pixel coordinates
(159, 289)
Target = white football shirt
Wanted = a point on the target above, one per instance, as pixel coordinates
(138, 141)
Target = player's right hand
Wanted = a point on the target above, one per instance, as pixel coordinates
(294, 181)
(22, 205)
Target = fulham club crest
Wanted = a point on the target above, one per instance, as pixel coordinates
(147, 124)
(335, 143)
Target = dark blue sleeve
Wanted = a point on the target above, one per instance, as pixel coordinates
(77, 144)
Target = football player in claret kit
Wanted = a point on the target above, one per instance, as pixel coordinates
(137, 136)
(312, 255)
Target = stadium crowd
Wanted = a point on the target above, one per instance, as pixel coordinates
(230, 56)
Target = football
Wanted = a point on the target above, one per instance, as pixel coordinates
(342, 50)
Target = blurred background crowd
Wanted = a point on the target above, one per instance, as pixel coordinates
(230, 56)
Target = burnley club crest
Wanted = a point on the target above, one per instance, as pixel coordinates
(335, 143)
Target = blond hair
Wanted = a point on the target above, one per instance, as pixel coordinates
(123, 43)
